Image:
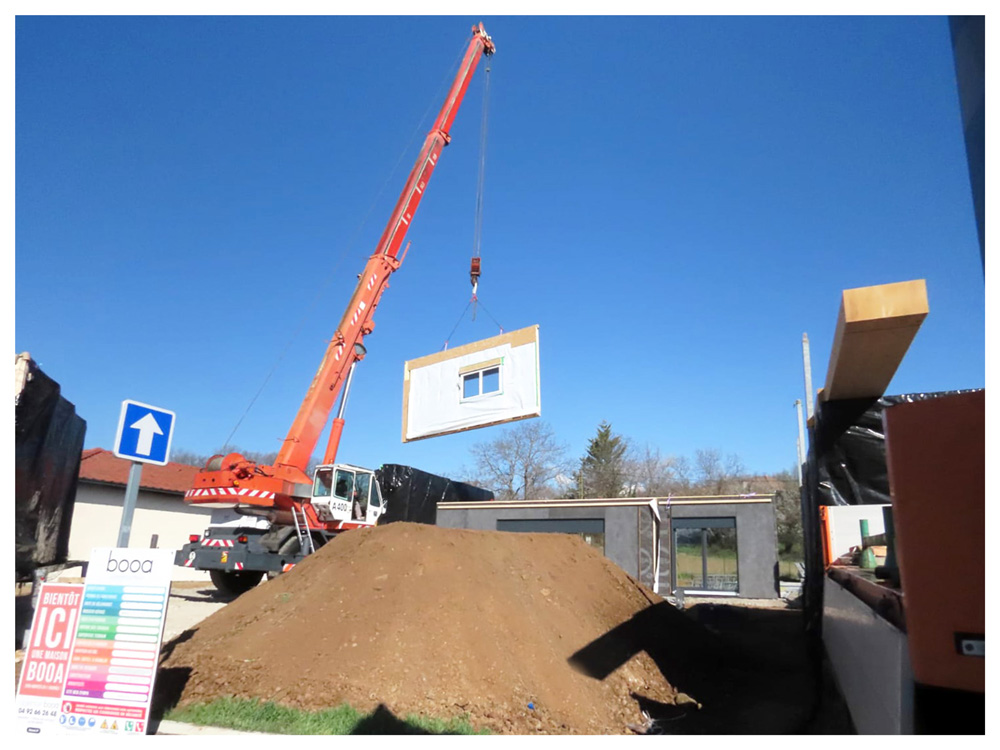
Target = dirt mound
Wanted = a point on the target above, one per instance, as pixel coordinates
(441, 622)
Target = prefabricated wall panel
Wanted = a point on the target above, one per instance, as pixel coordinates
(436, 399)
(843, 526)
(870, 662)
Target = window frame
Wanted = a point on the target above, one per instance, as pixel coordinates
(703, 524)
(317, 483)
(480, 369)
(350, 492)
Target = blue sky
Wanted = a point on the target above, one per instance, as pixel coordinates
(674, 201)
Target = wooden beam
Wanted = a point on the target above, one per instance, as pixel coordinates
(875, 328)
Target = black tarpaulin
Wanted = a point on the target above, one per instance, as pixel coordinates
(848, 442)
(412, 495)
(48, 442)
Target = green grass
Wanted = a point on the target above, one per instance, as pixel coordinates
(716, 565)
(719, 553)
(257, 716)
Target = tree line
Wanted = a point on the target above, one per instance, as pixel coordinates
(527, 462)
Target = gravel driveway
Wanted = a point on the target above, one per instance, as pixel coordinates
(190, 603)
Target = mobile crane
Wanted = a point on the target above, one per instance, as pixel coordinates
(295, 513)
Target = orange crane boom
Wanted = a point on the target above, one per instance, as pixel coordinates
(357, 322)
(230, 479)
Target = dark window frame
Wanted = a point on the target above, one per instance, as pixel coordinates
(703, 523)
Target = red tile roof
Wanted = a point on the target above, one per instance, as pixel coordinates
(100, 465)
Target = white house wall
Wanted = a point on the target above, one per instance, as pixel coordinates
(433, 396)
(98, 512)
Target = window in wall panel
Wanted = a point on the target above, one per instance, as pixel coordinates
(491, 380)
(470, 385)
(705, 554)
(479, 383)
(591, 530)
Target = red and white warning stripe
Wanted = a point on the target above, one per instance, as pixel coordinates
(239, 566)
(217, 543)
(287, 567)
(189, 562)
(357, 313)
(227, 491)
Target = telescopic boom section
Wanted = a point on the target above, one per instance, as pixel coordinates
(357, 322)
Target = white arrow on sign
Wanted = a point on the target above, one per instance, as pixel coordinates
(147, 427)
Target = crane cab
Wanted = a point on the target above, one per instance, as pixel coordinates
(345, 493)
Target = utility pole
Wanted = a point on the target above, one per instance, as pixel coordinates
(802, 439)
(807, 367)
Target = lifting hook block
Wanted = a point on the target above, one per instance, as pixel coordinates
(474, 271)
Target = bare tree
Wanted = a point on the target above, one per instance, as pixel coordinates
(193, 458)
(682, 475)
(718, 475)
(708, 464)
(521, 462)
(188, 458)
(736, 475)
(788, 512)
(653, 474)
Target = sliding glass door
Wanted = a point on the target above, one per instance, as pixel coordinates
(704, 553)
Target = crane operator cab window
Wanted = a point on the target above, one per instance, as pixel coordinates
(344, 485)
(323, 483)
(360, 505)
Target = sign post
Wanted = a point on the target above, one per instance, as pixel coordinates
(144, 436)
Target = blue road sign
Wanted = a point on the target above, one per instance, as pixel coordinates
(144, 433)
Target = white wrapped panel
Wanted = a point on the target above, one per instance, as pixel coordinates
(845, 526)
(480, 384)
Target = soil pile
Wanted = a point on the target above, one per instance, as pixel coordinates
(444, 622)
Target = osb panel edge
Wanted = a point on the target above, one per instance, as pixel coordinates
(477, 427)
(520, 337)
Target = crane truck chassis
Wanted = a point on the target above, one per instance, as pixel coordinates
(272, 542)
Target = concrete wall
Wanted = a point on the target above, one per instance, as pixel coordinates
(98, 513)
(628, 537)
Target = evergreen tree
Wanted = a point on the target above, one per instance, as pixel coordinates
(603, 467)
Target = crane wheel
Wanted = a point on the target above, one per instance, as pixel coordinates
(235, 582)
(289, 547)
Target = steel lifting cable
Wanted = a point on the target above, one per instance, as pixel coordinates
(457, 323)
(349, 246)
(477, 238)
(460, 317)
(480, 190)
(481, 183)
(491, 317)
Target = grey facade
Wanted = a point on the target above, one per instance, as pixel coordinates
(628, 535)
(757, 550)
